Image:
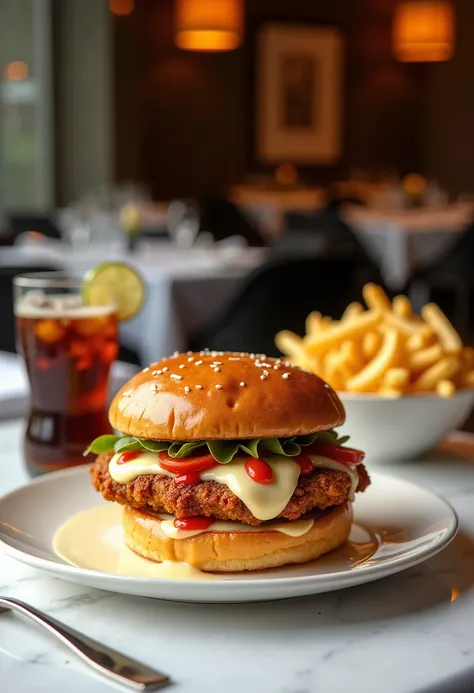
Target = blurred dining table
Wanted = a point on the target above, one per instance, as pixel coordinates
(268, 206)
(402, 241)
(185, 288)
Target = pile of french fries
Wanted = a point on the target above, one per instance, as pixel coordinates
(384, 349)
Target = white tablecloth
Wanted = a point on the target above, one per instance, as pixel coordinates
(401, 242)
(185, 289)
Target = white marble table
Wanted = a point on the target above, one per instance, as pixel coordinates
(412, 632)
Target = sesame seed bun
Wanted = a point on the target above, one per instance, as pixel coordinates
(223, 552)
(224, 396)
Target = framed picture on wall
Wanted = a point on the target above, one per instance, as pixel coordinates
(299, 94)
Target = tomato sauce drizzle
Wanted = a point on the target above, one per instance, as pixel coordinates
(259, 471)
(191, 523)
(128, 457)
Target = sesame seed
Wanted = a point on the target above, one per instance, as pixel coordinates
(242, 384)
(262, 356)
(216, 369)
(155, 372)
(181, 365)
(175, 354)
(276, 367)
(190, 359)
(214, 353)
(176, 377)
(145, 370)
(198, 387)
(287, 364)
(217, 363)
(218, 387)
(263, 377)
(189, 352)
(234, 358)
(242, 353)
(285, 376)
(164, 369)
(252, 356)
(198, 363)
(154, 387)
(265, 372)
(187, 389)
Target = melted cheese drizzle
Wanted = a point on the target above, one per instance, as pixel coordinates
(292, 529)
(265, 501)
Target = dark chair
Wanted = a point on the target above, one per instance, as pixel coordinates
(454, 272)
(222, 219)
(324, 234)
(33, 222)
(7, 320)
(279, 296)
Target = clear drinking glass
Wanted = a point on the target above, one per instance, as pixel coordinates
(68, 349)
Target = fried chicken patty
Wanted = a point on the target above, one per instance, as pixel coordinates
(322, 489)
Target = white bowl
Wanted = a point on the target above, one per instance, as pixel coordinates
(390, 430)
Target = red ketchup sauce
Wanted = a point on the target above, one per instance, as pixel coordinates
(191, 523)
(188, 478)
(306, 466)
(128, 457)
(259, 471)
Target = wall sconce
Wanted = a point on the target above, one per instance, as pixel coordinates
(424, 31)
(209, 25)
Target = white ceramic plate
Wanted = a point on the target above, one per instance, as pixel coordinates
(397, 525)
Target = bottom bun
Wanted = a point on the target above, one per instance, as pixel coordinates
(224, 552)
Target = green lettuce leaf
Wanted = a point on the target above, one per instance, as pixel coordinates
(223, 451)
(102, 444)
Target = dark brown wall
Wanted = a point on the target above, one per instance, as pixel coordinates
(184, 120)
(448, 135)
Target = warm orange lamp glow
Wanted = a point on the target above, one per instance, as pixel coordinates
(209, 25)
(16, 71)
(424, 31)
(286, 174)
(121, 7)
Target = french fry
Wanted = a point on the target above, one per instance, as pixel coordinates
(468, 379)
(467, 358)
(402, 306)
(353, 309)
(289, 343)
(446, 388)
(390, 392)
(352, 355)
(371, 343)
(344, 330)
(313, 322)
(415, 342)
(423, 358)
(372, 374)
(385, 349)
(376, 298)
(448, 336)
(396, 378)
(405, 326)
(442, 370)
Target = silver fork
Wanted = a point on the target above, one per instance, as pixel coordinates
(103, 659)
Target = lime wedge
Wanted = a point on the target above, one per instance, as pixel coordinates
(117, 283)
